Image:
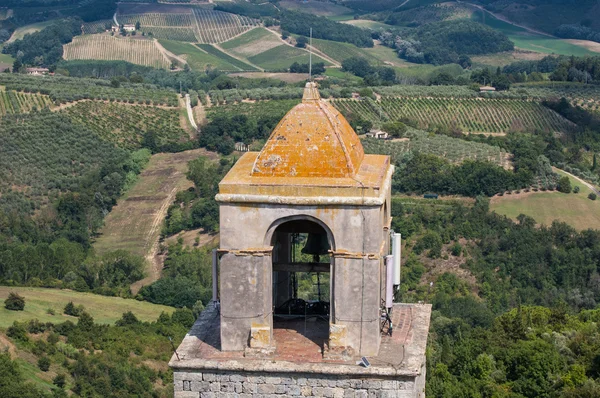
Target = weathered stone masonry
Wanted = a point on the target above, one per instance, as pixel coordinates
(213, 385)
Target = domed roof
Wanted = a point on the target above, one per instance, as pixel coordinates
(312, 140)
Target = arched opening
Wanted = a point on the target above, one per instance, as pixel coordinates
(302, 267)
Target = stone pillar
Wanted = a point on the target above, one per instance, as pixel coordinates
(355, 303)
(246, 300)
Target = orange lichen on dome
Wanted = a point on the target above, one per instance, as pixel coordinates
(312, 140)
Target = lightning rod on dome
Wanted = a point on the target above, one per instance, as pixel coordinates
(310, 57)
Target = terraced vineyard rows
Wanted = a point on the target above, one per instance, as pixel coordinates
(16, 102)
(469, 115)
(137, 51)
(200, 25)
(217, 26)
(453, 149)
(125, 125)
(158, 19)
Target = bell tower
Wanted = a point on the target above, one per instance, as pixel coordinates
(310, 202)
(304, 232)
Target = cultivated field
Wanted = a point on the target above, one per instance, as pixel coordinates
(454, 150)
(532, 41)
(281, 57)
(110, 48)
(90, 28)
(469, 115)
(20, 32)
(252, 43)
(264, 49)
(16, 102)
(104, 309)
(574, 209)
(191, 24)
(240, 65)
(135, 223)
(197, 58)
(321, 8)
(125, 124)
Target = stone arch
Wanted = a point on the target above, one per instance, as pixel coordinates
(299, 217)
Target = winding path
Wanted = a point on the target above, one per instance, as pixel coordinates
(188, 107)
(587, 184)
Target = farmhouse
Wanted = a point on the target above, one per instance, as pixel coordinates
(37, 71)
(376, 133)
(311, 202)
(487, 89)
(129, 28)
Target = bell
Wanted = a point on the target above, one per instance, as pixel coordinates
(316, 244)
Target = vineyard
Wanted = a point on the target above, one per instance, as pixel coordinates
(199, 25)
(66, 89)
(125, 125)
(90, 28)
(15, 102)
(454, 150)
(109, 48)
(469, 115)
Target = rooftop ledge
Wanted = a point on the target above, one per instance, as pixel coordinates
(402, 354)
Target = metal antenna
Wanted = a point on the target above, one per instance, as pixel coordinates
(310, 57)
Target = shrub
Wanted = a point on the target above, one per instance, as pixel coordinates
(14, 302)
(44, 364)
(17, 331)
(576, 189)
(564, 185)
(592, 196)
(456, 249)
(59, 381)
(71, 309)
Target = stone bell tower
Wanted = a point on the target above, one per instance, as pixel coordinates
(310, 206)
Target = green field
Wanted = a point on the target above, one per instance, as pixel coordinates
(20, 32)
(104, 309)
(242, 66)
(531, 41)
(368, 24)
(574, 209)
(195, 57)
(281, 57)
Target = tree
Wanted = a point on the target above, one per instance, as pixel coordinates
(138, 25)
(564, 184)
(59, 381)
(576, 189)
(395, 129)
(301, 42)
(17, 65)
(44, 363)
(592, 196)
(285, 34)
(14, 302)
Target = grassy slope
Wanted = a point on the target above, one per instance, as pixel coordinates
(226, 57)
(196, 58)
(531, 41)
(20, 32)
(264, 49)
(103, 309)
(574, 209)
